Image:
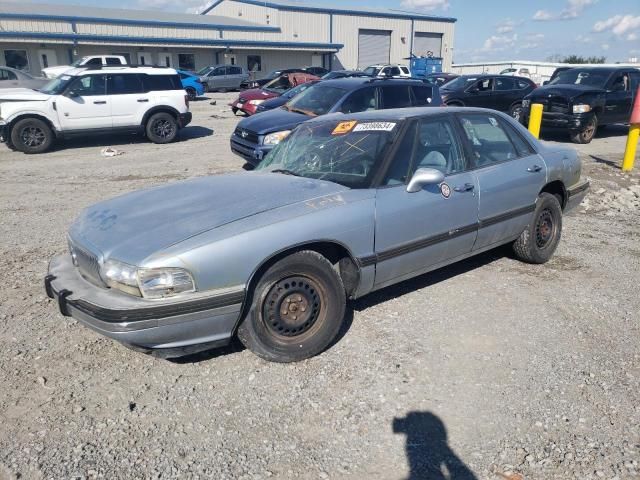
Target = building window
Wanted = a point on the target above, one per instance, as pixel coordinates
(16, 59)
(187, 61)
(254, 63)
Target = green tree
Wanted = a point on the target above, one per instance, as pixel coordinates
(576, 59)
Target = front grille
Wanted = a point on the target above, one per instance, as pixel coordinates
(247, 135)
(87, 263)
(554, 105)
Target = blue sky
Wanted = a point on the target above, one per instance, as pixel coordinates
(499, 29)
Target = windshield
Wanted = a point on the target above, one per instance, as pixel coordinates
(507, 70)
(345, 152)
(459, 83)
(296, 90)
(78, 62)
(57, 85)
(316, 100)
(578, 76)
(204, 71)
(278, 85)
(372, 71)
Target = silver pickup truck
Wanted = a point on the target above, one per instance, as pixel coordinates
(346, 205)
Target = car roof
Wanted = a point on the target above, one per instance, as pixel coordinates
(351, 83)
(398, 114)
(120, 69)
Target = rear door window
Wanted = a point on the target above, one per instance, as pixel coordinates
(113, 61)
(522, 84)
(94, 61)
(154, 83)
(396, 96)
(123, 84)
(488, 140)
(502, 84)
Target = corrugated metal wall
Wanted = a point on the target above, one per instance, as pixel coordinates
(144, 31)
(374, 47)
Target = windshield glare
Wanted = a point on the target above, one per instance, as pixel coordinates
(576, 76)
(57, 85)
(316, 100)
(339, 151)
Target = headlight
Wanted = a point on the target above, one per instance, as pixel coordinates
(255, 102)
(276, 137)
(526, 103)
(121, 276)
(147, 282)
(164, 282)
(581, 108)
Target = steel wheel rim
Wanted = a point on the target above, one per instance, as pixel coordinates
(590, 130)
(545, 229)
(32, 136)
(292, 307)
(517, 112)
(163, 128)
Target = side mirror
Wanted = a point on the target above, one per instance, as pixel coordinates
(72, 94)
(424, 176)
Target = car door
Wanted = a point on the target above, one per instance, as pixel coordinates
(84, 104)
(618, 99)
(235, 76)
(504, 93)
(215, 78)
(8, 79)
(510, 176)
(418, 231)
(479, 93)
(125, 93)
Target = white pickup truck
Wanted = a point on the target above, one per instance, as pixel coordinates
(90, 61)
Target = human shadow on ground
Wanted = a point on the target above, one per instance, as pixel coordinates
(428, 452)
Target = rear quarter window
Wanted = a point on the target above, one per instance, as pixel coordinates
(422, 95)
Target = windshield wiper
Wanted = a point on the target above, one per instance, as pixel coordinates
(304, 112)
(284, 171)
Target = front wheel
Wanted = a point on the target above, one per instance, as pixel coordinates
(587, 133)
(297, 309)
(31, 135)
(541, 237)
(162, 128)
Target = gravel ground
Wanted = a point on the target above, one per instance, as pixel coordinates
(487, 369)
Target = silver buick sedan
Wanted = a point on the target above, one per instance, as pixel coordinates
(346, 205)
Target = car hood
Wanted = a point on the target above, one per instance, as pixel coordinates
(257, 94)
(22, 95)
(273, 121)
(568, 91)
(134, 226)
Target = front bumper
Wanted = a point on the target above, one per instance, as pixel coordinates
(576, 193)
(206, 320)
(575, 122)
(250, 152)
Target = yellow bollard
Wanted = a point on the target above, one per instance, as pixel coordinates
(535, 119)
(630, 151)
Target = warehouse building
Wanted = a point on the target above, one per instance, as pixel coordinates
(259, 35)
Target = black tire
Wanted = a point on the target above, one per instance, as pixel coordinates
(191, 93)
(516, 111)
(234, 110)
(31, 135)
(587, 134)
(540, 239)
(162, 127)
(311, 292)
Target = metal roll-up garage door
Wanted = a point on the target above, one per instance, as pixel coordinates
(374, 46)
(424, 42)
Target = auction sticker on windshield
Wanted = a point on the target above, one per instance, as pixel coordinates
(343, 127)
(375, 127)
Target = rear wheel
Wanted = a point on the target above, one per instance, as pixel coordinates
(516, 112)
(297, 311)
(31, 135)
(586, 134)
(162, 128)
(541, 237)
(191, 93)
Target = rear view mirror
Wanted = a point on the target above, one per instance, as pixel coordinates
(424, 176)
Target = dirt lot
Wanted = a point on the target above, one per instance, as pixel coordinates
(485, 368)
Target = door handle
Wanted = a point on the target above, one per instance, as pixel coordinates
(141, 100)
(100, 102)
(467, 187)
(534, 168)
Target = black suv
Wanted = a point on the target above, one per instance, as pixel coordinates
(499, 92)
(579, 100)
(256, 136)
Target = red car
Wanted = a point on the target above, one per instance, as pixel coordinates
(249, 100)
